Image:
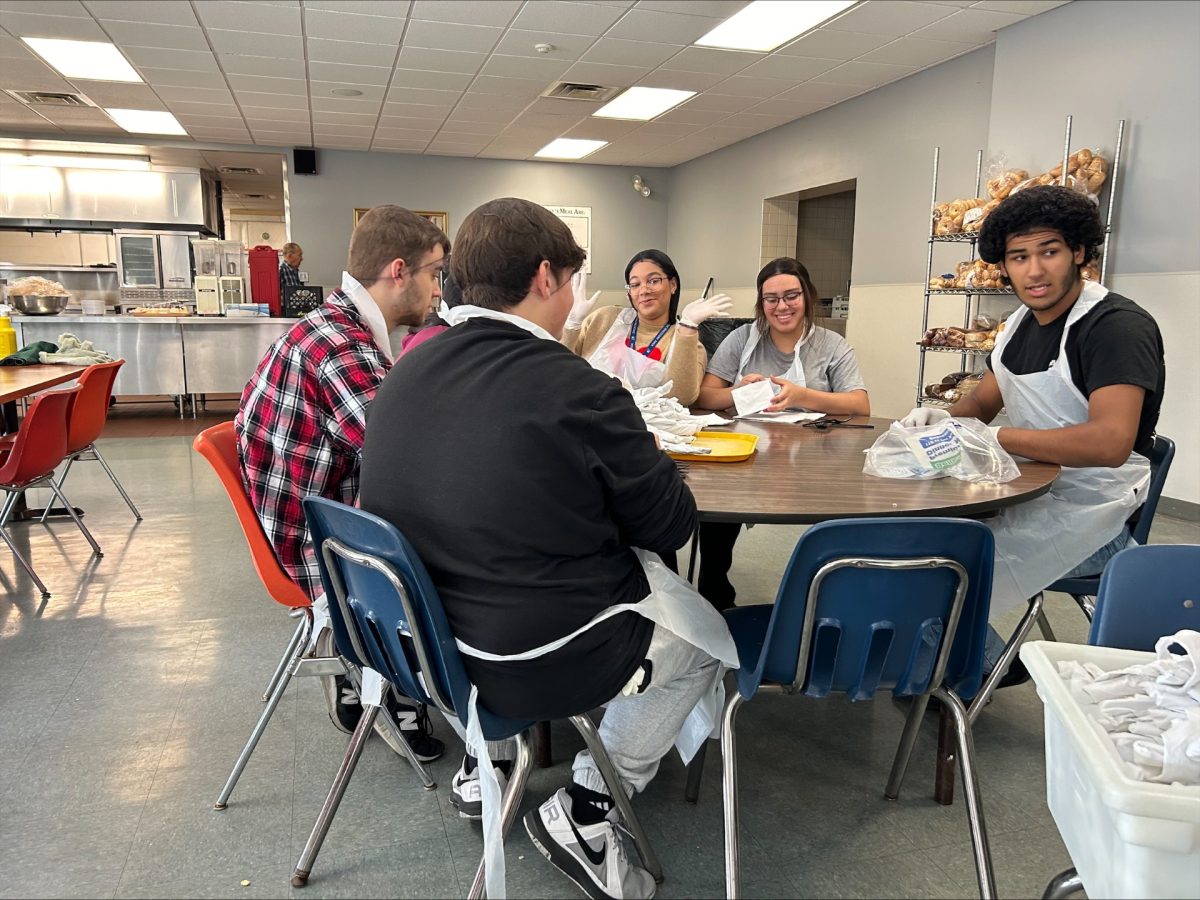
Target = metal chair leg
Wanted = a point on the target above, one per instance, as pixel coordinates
(692, 554)
(966, 762)
(61, 481)
(299, 642)
(397, 735)
(1087, 603)
(1006, 658)
(1044, 626)
(729, 795)
(329, 808)
(1063, 885)
(112, 476)
(510, 802)
(285, 659)
(908, 740)
(616, 789)
(75, 518)
(17, 553)
(695, 773)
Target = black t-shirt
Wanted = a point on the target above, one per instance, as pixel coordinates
(1116, 342)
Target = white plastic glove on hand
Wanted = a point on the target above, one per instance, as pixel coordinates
(924, 415)
(581, 304)
(706, 308)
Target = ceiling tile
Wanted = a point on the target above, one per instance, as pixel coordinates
(401, 127)
(790, 109)
(323, 50)
(516, 88)
(895, 18)
(348, 74)
(973, 26)
(710, 61)
(346, 130)
(721, 9)
(11, 48)
(75, 117)
(272, 66)
(544, 68)
(229, 122)
(601, 129)
(202, 109)
(20, 117)
(344, 26)
(47, 7)
(250, 43)
(222, 134)
(327, 120)
(556, 106)
(20, 24)
(659, 129)
(612, 76)
(482, 116)
(182, 78)
(447, 36)
(119, 94)
(865, 74)
(389, 8)
(140, 11)
(680, 81)
(911, 51)
(688, 115)
(34, 77)
(718, 102)
(170, 37)
(490, 101)
(567, 18)
(759, 88)
(157, 58)
(273, 101)
(630, 53)
(347, 104)
(444, 99)
(517, 42)
(326, 89)
(441, 60)
(398, 146)
(814, 92)
(644, 24)
(258, 17)
(266, 114)
(792, 68)
(268, 85)
(417, 78)
(474, 12)
(1020, 7)
(281, 137)
(456, 127)
(825, 43)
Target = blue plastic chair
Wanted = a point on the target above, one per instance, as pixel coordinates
(387, 615)
(1146, 593)
(868, 605)
(1084, 589)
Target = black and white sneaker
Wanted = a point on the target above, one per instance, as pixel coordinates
(413, 719)
(340, 696)
(592, 856)
(466, 791)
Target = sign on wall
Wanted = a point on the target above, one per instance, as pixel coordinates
(579, 220)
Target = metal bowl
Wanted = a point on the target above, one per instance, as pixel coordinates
(39, 304)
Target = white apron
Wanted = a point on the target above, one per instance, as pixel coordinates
(795, 372)
(636, 369)
(672, 604)
(1040, 541)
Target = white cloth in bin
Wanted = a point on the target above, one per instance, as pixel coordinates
(670, 420)
(1150, 712)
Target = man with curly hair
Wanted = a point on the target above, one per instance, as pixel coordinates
(1079, 371)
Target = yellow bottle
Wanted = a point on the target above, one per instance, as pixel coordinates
(8, 337)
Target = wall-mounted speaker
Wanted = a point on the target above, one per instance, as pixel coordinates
(304, 161)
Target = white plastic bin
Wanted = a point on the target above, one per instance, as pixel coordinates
(1126, 838)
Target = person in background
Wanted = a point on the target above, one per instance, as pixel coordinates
(434, 323)
(649, 342)
(290, 258)
(302, 419)
(1080, 372)
(811, 367)
(534, 478)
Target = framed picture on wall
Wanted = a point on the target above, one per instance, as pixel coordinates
(440, 219)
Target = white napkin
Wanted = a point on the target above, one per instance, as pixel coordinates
(751, 398)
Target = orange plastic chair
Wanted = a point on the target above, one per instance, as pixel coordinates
(88, 416)
(219, 446)
(31, 458)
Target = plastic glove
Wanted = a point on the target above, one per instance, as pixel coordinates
(699, 310)
(924, 415)
(581, 304)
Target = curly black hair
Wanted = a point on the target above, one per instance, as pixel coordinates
(1050, 207)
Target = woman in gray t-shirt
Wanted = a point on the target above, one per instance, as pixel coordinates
(813, 368)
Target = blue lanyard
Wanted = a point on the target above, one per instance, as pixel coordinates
(654, 343)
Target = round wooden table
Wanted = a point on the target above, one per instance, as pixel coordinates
(802, 475)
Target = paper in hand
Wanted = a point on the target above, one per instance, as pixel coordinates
(751, 398)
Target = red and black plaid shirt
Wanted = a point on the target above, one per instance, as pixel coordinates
(302, 422)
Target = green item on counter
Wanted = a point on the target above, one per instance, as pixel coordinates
(29, 356)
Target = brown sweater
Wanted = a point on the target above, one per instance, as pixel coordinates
(685, 358)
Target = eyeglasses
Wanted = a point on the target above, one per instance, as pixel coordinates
(654, 282)
(444, 263)
(791, 298)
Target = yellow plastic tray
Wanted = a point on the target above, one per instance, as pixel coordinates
(726, 446)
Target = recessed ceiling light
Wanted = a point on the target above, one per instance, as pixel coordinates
(94, 60)
(146, 121)
(346, 92)
(763, 25)
(642, 103)
(76, 161)
(569, 148)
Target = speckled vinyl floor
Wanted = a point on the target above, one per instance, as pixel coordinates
(126, 696)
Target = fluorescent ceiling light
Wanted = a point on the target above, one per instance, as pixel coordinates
(642, 103)
(95, 60)
(82, 161)
(767, 24)
(146, 121)
(570, 148)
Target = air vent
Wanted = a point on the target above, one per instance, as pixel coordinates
(569, 90)
(239, 170)
(50, 98)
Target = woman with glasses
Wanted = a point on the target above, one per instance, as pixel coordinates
(648, 343)
(811, 368)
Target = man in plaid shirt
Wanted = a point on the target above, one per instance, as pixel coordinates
(303, 414)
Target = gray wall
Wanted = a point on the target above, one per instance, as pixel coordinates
(322, 206)
(884, 139)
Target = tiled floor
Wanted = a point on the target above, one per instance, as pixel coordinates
(125, 698)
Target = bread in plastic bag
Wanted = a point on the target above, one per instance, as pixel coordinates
(962, 448)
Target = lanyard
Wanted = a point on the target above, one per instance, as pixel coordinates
(654, 343)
